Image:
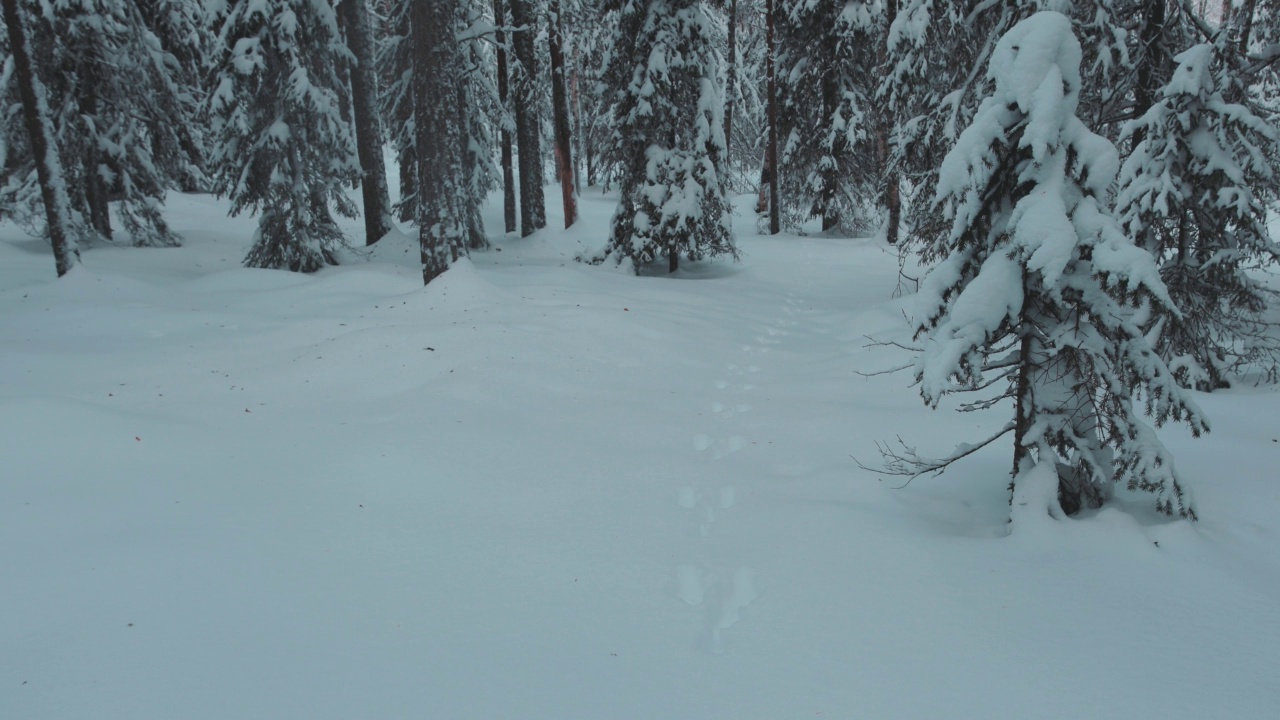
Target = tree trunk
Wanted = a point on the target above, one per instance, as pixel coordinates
(830, 176)
(892, 181)
(560, 111)
(439, 220)
(533, 211)
(35, 114)
(95, 192)
(1249, 8)
(731, 78)
(508, 172)
(771, 153)
(1152, 63)
(364, 101)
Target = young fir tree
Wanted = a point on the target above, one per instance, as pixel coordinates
(932, 80)
(281, 146)
(1038, 294)
(663, 83)
(826, 60)
(1195, 192)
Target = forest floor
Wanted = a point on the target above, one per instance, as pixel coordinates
(544, 490)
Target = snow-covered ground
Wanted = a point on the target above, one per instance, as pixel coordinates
(543, 490)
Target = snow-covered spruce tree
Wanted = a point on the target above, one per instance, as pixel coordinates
(826, 62)
(932, 81)
(280, 145)
(591, 43)
(36, 115)
(119, 114)
(663, 83)
(1039, 294)
(445, 202)
(185, 40)
(1196, 192)
(745, 93)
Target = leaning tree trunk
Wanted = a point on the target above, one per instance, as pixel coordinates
(508, 174)
(35, 114)
(533, 210)
(560, 111)
(364, 100)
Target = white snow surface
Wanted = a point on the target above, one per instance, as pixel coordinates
(542, 490)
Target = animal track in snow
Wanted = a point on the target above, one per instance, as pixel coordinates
(728, 612)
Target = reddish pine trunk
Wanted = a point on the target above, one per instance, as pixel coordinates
(560, 111)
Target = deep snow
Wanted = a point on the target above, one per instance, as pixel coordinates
(543, 490)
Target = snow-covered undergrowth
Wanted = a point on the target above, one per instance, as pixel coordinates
(543, 490)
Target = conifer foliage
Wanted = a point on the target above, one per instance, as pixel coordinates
(826, 65)
(281, 146)
(663, 85)
(1038, 291)
(120, 110)
(1195, 192)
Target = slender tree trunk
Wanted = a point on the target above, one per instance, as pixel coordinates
(35, 114)
(364, 100)
(575, 102)
(731, 79)
(771, 153)
(1023, 402)
(95, 191)
(560, 112)
(1151, 63)
(508, 173)
(1249, 8)
(533, 211)
(830, 176)
(892, 181)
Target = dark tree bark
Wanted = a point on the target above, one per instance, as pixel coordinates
(560, 112)
(442, 213)
(369, 137)
(533, 211)
(771, 151)
(892, 182)
(35, 114)
(95, 191)
(830, 184)
(1249, 8)
(731, 78)
(508, 173)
